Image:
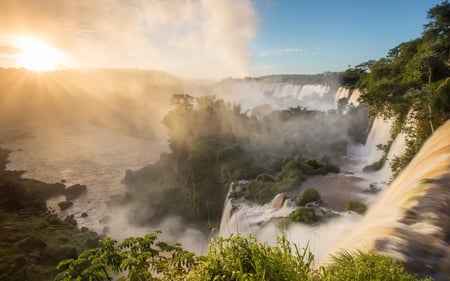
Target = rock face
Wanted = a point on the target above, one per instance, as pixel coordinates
(74, 191)
(65, 205)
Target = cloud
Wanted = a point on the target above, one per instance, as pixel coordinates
(280, 51)
(187, 37)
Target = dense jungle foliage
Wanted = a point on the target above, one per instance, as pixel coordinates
(213, 144)
(228, 259)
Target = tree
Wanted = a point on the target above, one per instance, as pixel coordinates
(439, 25)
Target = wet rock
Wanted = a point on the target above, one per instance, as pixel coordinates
(74, 191)
(373, 189)
(65, 205)
(105, 230)
(105, 219)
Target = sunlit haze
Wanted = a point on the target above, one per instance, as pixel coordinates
(36, 55)
(205, 38)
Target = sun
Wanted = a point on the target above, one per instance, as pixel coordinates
(37, 55)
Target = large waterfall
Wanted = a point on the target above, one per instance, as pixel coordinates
(411, 219)
(279, 95)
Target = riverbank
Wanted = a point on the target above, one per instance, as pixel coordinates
(33, 240)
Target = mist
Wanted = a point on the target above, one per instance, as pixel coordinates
(192, 39)
(91, 126)
(117, 99)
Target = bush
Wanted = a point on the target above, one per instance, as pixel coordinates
(357, 207)
(233, 258)
(366, 266)
(307, 196)
(305, 215)
(244, 258)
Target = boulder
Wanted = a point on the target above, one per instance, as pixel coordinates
(65, 205)
(74, 191)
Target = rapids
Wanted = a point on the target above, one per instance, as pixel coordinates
(410, 220)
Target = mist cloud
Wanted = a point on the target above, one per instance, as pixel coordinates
(188, 38)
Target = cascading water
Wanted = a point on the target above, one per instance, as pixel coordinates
(266, 223)
(341, 94)
(354, 97)
(379, 134)
(397, 148)
(410, 221)
(251, 94)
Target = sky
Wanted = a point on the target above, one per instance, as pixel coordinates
(205, 39)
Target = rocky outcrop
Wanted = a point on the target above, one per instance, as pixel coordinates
(74, 191)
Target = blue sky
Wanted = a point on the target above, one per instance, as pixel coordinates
(305, 36)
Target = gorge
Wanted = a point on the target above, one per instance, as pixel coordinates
(98, 157)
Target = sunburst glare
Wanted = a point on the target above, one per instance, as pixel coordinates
(37, 55)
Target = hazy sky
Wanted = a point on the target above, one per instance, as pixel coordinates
(206, 38)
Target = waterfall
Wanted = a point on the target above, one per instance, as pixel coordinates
(410, 220)
(354, 97)
(379, 134)
(251, 94)
(244, 217)
(398, 147)
(341, 93)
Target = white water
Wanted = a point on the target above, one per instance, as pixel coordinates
(243, 217)
(379, 134)
(251, 94)
(421, 239)
(341, 94)
(354, 97)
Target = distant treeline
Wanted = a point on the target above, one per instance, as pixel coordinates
(332, 79)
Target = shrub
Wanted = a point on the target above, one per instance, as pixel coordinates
(357, 207)
(233, 258)
(365, 266)
(305, 215)
(244, 258)
(307, 196)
